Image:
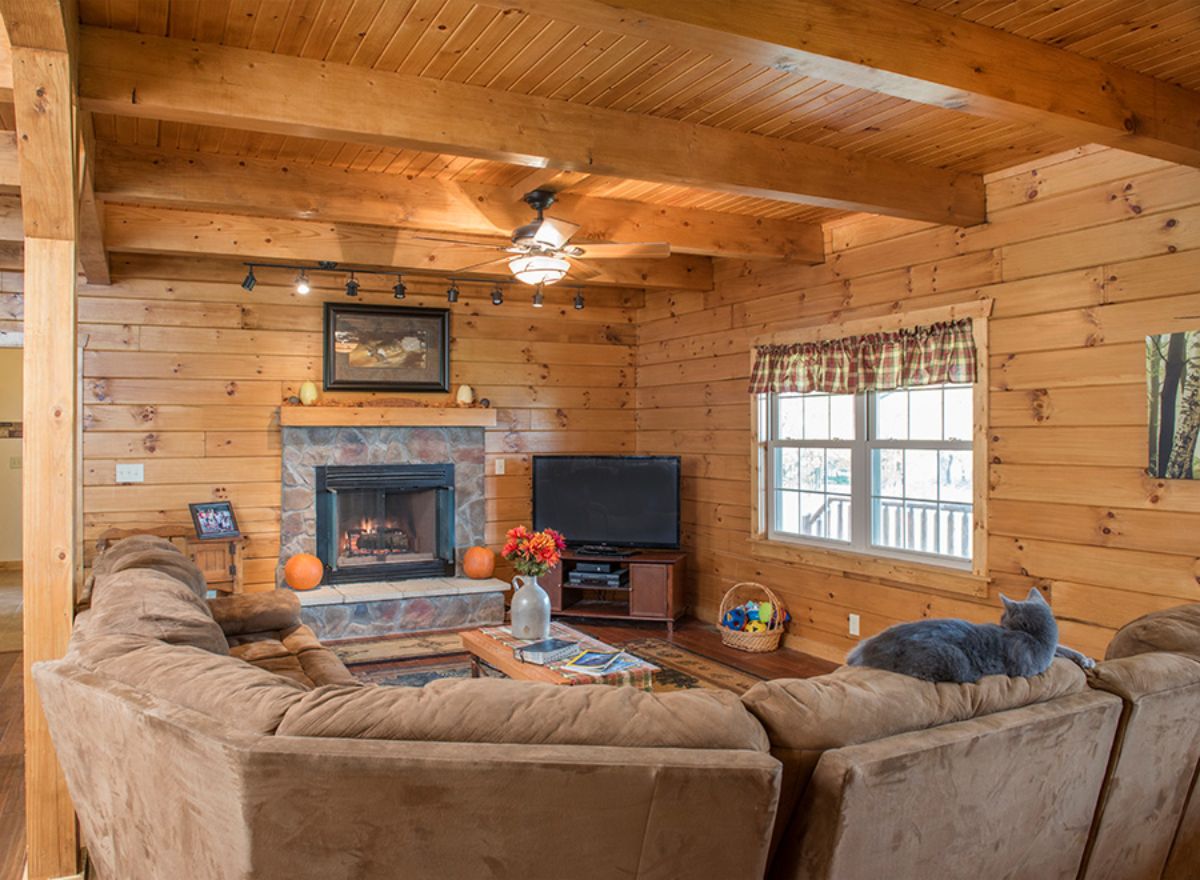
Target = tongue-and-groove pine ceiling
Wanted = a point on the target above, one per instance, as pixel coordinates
(638, 60)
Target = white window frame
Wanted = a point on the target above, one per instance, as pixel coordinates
(862, 557)
(862, 493)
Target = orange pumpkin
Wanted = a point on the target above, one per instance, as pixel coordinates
(479, 563)
(303, 571)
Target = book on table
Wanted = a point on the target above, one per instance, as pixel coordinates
(546, 651)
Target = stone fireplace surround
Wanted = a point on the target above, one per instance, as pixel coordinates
(380, 608)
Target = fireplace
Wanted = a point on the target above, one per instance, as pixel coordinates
(385, 522)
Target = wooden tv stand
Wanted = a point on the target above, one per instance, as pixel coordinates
(654, 590)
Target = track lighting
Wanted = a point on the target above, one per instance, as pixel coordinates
(352, 286)
(538, 298)
(249, 282)
(497, 296)
(452, 292)
(399, 289)
(302, 285)
(579, 300)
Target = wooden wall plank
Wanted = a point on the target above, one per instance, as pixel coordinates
(1084, 257)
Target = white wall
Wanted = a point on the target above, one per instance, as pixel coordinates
(10, 477)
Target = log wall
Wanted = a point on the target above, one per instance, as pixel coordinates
(184, 371)
(1085, 254)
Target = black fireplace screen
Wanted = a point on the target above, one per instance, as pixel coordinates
(385, 522)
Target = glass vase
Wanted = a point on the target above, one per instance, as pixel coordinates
(530, 609)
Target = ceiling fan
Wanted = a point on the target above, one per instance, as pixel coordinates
(541, 252)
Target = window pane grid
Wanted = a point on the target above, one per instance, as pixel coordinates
(916, 484)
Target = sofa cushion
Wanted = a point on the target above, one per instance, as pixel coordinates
(494, 711)
(256, 612)
(858, 704)
(151, 552)
(1174, 630)
(150, 603)
(294, 653)
(235, 693)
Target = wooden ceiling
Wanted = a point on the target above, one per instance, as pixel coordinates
(563, 52)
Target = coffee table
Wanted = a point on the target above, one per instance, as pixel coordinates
(494, 645)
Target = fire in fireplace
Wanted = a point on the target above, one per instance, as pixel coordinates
(385, 522)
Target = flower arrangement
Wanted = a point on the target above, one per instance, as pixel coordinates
(533, 554)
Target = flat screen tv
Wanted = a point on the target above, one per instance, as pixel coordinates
(619, 501)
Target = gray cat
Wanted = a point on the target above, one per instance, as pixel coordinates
(1024, 643)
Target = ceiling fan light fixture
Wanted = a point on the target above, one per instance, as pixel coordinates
(497, 296)
(302, 286)
(536, 269)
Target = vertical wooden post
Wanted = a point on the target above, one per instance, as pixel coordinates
(44, 96)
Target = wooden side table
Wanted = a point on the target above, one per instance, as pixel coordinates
(219, 559)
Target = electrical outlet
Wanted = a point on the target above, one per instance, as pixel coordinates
(499, 467)
(14, 463)
(131, 473)
(855, 629)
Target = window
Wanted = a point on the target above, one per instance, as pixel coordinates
(889, 473)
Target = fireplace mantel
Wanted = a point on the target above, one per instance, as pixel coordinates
(387, 416)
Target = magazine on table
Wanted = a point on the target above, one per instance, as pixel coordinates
(601, 662)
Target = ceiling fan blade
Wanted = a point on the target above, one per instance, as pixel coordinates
(647, 250)
(582, 272)
(554, 233)
(462, 242)
(475, 266)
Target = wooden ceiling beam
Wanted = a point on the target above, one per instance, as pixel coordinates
(141, 229)
(179, 81)
(203, 181)
(895, 48)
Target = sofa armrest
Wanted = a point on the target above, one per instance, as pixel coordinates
(245, 613)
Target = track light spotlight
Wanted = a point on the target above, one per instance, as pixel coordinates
(399, 289)
(452, 292)
(539, 299)
(579, 300)
(302, 285)
(250, 281)
(497, 296)
(352, 286)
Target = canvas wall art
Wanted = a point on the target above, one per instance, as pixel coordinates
(386, 348)
(1173, 388)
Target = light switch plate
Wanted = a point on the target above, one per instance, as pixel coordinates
(499, 467)
(14, 463)
(855, 629)
(131, 473)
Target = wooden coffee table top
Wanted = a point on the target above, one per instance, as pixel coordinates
(498, 655)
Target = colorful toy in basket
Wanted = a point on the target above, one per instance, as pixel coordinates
(752, 617)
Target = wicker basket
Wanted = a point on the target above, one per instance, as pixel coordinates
(754, 642)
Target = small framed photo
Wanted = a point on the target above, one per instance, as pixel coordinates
(214, 519)
(386, 348)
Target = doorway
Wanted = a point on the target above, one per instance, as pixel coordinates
(10, 499)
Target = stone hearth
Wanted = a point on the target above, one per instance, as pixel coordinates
(377, 608)
(351, 611)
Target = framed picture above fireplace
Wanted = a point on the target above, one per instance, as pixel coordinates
(386, 348)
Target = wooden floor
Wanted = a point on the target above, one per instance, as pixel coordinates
(12, 770)
(705, 639)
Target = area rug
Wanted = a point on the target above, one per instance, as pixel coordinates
(414, 661)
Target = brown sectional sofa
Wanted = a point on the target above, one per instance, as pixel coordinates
(219, 739)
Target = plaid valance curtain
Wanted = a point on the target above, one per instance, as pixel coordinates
(940, 353)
